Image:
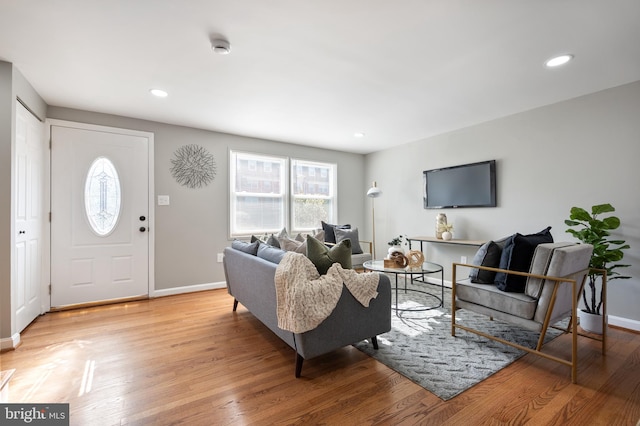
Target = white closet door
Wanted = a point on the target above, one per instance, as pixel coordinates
(29, 217)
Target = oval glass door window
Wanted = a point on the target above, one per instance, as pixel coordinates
(102, 196)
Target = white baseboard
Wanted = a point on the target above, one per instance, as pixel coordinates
(188, 289)
(9, 343)
(624, 323)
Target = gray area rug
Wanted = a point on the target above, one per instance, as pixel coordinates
(421, 348)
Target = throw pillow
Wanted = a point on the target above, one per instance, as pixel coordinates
(250, 248)
(272, 254)
(487, 255)
(351, 234)
(329, 235)
(283, 233)
(517, 256)
(319, 235)
(273, 241)
(323, 257)
(288, 244)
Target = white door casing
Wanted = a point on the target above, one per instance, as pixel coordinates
(86, 266)
(29, 217)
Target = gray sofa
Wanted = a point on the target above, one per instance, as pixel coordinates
(250, 280)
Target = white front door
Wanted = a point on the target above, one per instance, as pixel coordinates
(29, 216)
(100, 214)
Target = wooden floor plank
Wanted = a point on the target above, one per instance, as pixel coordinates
(188, 359)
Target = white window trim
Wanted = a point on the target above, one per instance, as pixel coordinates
(232, 194)
(288, 195)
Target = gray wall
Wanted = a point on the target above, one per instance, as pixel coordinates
(194, 227)
(6, 127)
(580, 152)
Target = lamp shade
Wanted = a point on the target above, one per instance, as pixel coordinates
(374, 191)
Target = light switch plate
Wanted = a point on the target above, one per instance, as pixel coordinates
(163, 200)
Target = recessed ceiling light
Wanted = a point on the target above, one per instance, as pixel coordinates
(558, 60)
(159, 93)
(358, 135)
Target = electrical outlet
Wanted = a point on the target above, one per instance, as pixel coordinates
(220, 257)
(463, 259)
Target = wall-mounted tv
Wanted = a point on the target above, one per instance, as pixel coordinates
(467, 185)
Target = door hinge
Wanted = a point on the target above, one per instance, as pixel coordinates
(49, 289)
(50, 143)
(49, 216)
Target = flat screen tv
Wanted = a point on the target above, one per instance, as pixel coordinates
(467, 185)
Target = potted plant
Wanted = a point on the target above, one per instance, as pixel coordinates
(397, 243)
(591, 229)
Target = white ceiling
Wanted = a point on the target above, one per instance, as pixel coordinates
(314, 72)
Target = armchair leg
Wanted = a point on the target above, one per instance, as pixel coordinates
(374, 342)
(299, 361)
(453, 301)
(235, 304)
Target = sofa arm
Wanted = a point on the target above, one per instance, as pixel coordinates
(350, 322)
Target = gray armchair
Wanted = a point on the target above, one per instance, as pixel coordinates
(553, 283)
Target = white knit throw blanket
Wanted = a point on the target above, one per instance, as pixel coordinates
(305, 298)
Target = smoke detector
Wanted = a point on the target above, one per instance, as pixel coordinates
(220, 46)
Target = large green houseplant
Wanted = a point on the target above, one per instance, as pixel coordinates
(591, 229)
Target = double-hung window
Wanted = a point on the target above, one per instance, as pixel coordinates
(258, 192)
(268, 193)
(312, 193)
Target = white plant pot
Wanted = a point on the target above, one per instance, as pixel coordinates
(590, 322)
(395, 248)
(446, 235)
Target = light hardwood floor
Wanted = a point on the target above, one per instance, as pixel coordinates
(189, 359)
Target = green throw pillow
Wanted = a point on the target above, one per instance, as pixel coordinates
(323, 257)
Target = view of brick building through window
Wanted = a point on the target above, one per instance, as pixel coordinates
(262, 196)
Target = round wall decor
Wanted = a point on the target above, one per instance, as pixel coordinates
(193, 166)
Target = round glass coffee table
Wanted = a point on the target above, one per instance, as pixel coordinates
(416, 274)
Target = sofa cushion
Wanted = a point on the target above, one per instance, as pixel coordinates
(487, 255)
(250, 248)
(516, 256)
(329, 235)
(518, 304)
(270, 253)
(357, 260)
(351, 234)
(323, 257)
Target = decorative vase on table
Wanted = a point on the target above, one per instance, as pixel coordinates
(446, 235)
(441, 219)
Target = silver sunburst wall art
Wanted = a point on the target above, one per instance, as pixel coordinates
(193, 166)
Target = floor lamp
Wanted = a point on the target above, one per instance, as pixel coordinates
(373, 192)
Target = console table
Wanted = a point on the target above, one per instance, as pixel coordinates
(422, 240)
